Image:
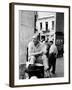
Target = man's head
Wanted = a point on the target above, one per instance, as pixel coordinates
(50, 42)
(35, 38)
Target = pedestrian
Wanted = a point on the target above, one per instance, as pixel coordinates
(52, 57)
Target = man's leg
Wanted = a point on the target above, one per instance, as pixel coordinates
(49, 67)
(45, 62)
(32, 60)
(46, 66)
(54, 66)
(29, 66)
(50, 61)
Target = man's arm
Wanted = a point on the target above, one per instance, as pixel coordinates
(31, 51)
(56, 51)
(36, 53)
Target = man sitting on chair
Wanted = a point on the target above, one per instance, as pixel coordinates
(37, 51)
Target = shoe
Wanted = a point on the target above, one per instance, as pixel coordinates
(52, 72)
(47, 74)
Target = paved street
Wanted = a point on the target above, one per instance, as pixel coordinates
(59, 67)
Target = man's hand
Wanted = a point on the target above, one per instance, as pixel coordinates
(39, 53)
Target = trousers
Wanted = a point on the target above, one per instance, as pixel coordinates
(52, 62)
(42, 59)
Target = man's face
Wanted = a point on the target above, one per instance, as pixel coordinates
(35, 41)
(50, 43)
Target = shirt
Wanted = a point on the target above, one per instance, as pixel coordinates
(53, 49)
(33, 49)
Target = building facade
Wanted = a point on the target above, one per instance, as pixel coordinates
(46, 25)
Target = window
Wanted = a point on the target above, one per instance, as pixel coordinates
(40, 25)
(52, 35)
(46, 26)
(52, 25)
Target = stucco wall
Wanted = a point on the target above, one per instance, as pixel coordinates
(26, 31)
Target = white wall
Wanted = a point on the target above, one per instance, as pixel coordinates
(45, 14)
(43, 24)
(4, 45)
(42, 15)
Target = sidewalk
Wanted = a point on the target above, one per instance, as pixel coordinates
(59, 67)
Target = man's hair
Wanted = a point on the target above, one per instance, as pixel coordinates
(36, 35)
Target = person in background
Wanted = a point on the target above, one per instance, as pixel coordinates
(52, 57)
